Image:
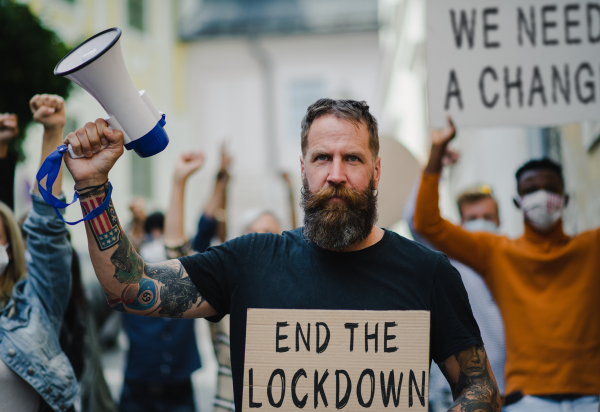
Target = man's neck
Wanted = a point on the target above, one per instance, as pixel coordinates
(551, 234)
(375, 236)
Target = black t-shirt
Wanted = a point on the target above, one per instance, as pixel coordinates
(289, 272)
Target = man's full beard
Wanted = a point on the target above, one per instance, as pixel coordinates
(338, 225)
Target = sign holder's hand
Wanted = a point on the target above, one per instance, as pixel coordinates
(439, 145)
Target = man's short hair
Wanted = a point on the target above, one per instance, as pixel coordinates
(351, 110)
(541, 164)
(473, 195)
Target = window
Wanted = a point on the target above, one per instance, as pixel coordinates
(135, 9)
(302, 93)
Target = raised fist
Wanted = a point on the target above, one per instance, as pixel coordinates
(9, 127)
(49, 110)
(87, 140)
(187, 163)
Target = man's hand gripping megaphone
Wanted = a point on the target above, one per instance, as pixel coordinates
(87, 141)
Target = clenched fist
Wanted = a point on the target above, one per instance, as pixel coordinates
(93, 169)
(9, 127)
(49, 110)
(186, 164)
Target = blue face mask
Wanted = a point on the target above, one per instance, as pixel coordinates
(480, 225)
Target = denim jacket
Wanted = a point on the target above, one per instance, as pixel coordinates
(30, 322)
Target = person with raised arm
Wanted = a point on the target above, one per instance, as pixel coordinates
(338, 260)
(213, 220)
(546, 284)
(163, 352)
(35, 374)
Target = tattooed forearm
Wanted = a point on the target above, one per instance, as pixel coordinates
(162, 289)
(473, 386)
(105, 228)
(129, 266)
(178, 293)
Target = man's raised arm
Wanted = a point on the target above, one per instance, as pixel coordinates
(472, 249)
(130, 285)
(472, 381)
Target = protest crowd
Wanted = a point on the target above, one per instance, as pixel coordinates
(514, 323)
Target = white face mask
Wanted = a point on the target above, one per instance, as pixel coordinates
(542, 209)
(480, 225)
(4, 259)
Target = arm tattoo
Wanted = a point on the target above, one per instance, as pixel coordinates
(178, 293)
(129, 266)
(106, 228)
(166, 283)
(474, 389)
(148, 282)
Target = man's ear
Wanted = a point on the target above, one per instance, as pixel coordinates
(377, 174)
(301, 166)
(516, 203)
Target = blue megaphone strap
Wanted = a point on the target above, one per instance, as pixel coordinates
(50, 168)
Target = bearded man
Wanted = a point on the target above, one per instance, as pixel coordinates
(338, 260)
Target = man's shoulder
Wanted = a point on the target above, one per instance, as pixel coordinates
(413, 248)
(262, 241)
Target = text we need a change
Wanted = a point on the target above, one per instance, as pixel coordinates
(351, 360)
(513, 62)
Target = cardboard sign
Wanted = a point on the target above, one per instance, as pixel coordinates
(513, 62)
(336, 359)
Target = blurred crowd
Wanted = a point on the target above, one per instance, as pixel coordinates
(532, 296)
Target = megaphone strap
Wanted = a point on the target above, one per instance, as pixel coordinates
(50, 168)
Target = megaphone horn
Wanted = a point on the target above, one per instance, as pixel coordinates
(97, 66)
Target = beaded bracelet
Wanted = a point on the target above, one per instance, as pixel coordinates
(89, 187)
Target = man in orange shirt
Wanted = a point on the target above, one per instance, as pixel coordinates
(547, 285)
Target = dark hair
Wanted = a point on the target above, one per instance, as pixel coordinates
(541, 164)
(474, 195)
(351, 110)
(155, 220)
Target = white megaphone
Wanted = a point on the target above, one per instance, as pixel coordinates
(97, 66)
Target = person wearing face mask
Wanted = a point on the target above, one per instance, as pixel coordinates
(35, 374)
(546, 284)
(478, 211)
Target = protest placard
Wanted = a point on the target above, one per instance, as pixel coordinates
(513, 62)
(351, 360)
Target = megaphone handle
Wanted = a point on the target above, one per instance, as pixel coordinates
(74, 156)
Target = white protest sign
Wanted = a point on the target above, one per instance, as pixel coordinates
(513, 62)
(326, 359)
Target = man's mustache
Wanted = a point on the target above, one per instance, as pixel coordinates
(351, 197)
